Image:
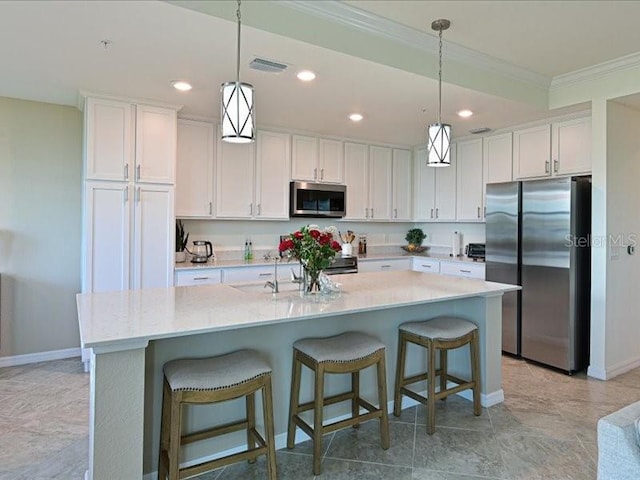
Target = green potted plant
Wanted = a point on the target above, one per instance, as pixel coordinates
(414, 238)
(182, 238)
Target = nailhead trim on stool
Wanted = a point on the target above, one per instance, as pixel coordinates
(442, 333)
(349, 352)
(212, 380)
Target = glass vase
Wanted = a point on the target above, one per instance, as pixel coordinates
(311, 283)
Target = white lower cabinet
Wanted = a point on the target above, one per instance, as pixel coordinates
(463, 269)
(260, 273)
(421, 264)
(208, 276)
(128, 236)
(389, 265)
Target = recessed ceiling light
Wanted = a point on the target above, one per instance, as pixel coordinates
(181, 85)
(465, 113)
(306, 75)
(355, 117)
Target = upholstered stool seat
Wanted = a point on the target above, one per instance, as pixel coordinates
(443, 334)
(349, 352)
(211, 380)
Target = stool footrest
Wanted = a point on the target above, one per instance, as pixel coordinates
(341, 397)
(420, 377)
(221, 462)
(214, 432)
(452, 390)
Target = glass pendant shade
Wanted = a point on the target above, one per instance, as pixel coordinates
(238, 125)
(438, 145)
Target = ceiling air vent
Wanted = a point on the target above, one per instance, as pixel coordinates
(265, 65)
(477, 131)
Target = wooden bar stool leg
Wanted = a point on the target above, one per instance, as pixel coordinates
(317, 418)
(267, 409)
(174, 436)
(382, 400)
(431, 389)
(443, 371)
(293, 403)
(251, 422)
(475, 372)
(355, 388)
(400, 364)
(164, 432)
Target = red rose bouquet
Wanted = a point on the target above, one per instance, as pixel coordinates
(314, 249)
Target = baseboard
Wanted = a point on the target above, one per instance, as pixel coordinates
(281, 439)
(614, 370)
(15, 360)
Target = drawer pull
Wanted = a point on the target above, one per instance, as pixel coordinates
(427, 266)
(385, 266)
(265, 274)
(200, 278)
(465, 271)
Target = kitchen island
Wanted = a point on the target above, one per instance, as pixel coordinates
(133, 333)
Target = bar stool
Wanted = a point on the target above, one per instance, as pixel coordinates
(349, 352)
(211, 380)
(442, 333)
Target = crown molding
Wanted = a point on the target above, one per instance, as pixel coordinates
(355, 18)
(597, 71)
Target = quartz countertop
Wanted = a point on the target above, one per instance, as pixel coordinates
(361, 258)
(112, 318)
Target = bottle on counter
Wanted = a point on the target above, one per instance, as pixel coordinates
(250, 257)
(246, 250)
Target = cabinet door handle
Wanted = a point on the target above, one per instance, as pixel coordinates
(322, 174)
(546, 166)
(126, 171)
(372, 213)
(432, 213)
(465, 271)
(210, 208)
(138, 195)
(138, 173)
(437, 213)
(478, 212)
(395, 213)
(485, 212)
(251, 209)
(555, 166)
(315, 173)
(265, 274)
(126, 194)
(196, 279)
(366, 213)
(259, 209)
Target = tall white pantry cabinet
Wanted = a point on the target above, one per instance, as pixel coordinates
(128, 207)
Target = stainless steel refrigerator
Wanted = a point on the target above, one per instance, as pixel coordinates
(538, 236)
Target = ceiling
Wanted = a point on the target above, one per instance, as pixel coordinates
(52, 49)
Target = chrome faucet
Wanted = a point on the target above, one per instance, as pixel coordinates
(274, 285)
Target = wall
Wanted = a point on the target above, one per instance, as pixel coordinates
(40, 219)
(228, 237)
(623, 270)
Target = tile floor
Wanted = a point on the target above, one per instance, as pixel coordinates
(545, 429)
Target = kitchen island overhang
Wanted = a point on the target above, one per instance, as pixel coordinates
(126, 376)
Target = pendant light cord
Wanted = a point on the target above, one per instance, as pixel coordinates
(238, 56)
(439, 78)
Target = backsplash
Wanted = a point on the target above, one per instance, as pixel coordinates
(228, 237)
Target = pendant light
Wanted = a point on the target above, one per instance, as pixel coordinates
(238, 115)
(439, 134)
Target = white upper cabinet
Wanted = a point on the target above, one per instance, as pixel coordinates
(194, 171)
(424, 187)
(445, 189)
(317, 160)
(498, 158)
(304, 163)
(380, 168)
(356, 178)
(272, 183)
(331, 161)
(532, 152)
(470, 188)
(108, 140)
(571, 147)
(155, 145)
(235, 179)
(402, 185)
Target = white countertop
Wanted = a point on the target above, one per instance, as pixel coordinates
(260, 261)
(112, 318)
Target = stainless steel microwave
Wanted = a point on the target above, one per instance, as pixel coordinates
(317, 200)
